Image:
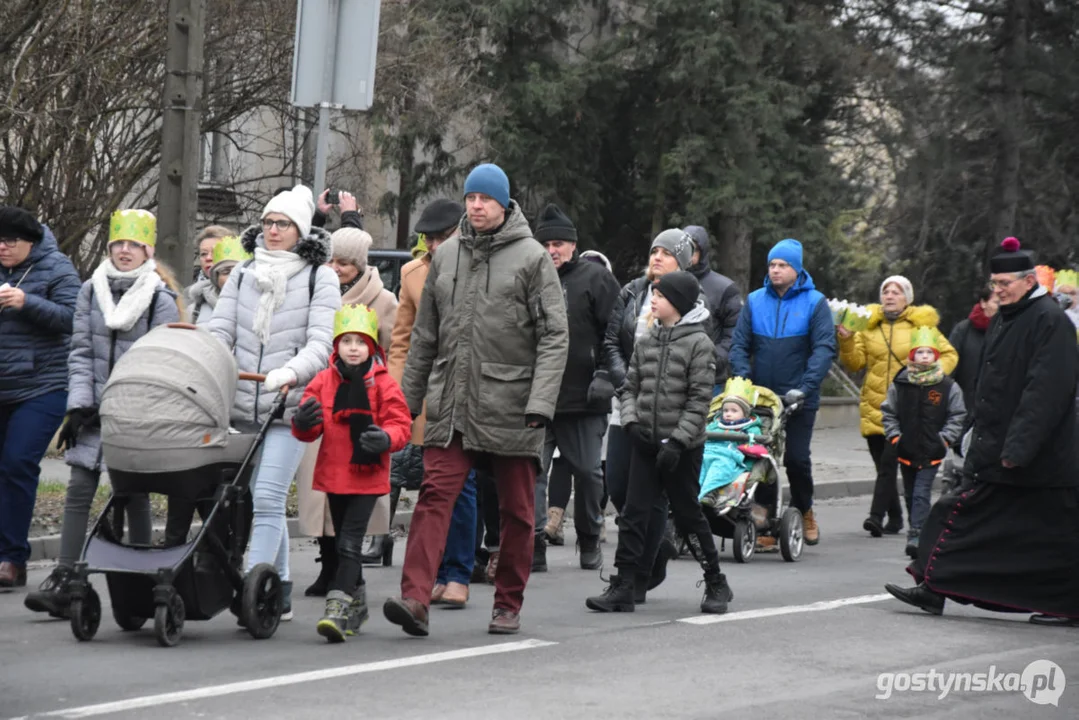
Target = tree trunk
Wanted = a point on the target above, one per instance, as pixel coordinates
(1010, 118)
(732, 251)
(405, 191)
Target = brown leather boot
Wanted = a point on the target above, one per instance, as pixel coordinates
(504, 622)
(492, 567)
(812, 532)
(437, 592)
(11, 576)
(455, 596)
(410, 614)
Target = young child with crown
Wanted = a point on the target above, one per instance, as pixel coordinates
(725, 460)
(361, 415)
(923, 417)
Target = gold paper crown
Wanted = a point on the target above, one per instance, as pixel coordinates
(356, 318)
(739, 387)
(1045, 276)
(421, 246)
(137, 225)
(1067, 278)
(925, 336)
(230, 248)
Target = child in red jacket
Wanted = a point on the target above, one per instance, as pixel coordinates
(366, 421)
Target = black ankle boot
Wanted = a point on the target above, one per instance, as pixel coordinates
(873, 526)
(327, 556)
(539, 554)
(618, 597)
(717, 593)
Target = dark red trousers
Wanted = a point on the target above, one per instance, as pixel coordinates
(444, 475)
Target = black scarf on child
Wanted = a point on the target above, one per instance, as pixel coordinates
(352, 402)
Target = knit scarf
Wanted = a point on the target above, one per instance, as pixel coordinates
(892, 316)
(122, 316)
(272, 269)
(930, 374)
(978, 318)
(352, 403)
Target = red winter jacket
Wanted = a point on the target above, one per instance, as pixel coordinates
(334, 473)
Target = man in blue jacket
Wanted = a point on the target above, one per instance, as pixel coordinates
(38, 287)
(785, 341)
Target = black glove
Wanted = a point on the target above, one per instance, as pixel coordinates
(308, 416)
(600, 390)
(669, 454)
(77, 419)
(374, 440)
(636, 436)
(538, 420)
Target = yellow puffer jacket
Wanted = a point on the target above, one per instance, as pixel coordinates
(883, 349)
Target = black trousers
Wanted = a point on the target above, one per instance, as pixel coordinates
(488, 520)
(647, 483)
(350, 514)
(619, 452)
(886, 490)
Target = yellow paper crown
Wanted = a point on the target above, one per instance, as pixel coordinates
(356, 318)
(137, 225)
(739, 387)
(421, 246)
(230, 248)
(925, 336)
(1067, 278)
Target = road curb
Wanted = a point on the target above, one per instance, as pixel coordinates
(47, 547)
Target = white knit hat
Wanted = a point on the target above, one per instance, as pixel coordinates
(351, 245)
(904, 285)
(297, 204)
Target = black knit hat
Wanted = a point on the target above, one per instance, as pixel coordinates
(439, 216)
(681, 289)
(1011, 258)
(18, 223)
(553, 224)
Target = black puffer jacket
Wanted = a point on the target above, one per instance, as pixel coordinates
(724, 300)
(669, 384)
(590, 292)
(1024, 405)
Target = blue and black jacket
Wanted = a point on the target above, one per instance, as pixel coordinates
(785, 343)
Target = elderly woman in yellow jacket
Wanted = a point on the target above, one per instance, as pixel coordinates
(882, 350)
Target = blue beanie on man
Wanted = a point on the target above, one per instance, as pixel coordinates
(490, 180)
(789, 251)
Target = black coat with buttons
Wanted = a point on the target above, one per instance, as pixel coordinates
(1024, 409)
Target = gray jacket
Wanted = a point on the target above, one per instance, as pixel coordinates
(669, 383)
(95, 349)
(301, 330)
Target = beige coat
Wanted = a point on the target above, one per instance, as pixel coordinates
(413, 277)
(314, 509)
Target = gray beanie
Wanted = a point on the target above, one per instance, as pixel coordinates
(351, 245)
(677, 243)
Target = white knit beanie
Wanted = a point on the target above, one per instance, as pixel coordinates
(904, 285)
(351, 245)
(297, 204)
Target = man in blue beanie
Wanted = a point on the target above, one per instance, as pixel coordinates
(785, 341)
(489, 346)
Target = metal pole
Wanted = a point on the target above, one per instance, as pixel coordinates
(322, 148)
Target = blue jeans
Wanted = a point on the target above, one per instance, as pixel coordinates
(460, 553)
(281, 455)
(918, 488)
(26, 429)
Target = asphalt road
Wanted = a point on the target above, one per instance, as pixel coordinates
(805, 641)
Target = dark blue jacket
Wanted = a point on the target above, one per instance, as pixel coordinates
(785, 343)
(34, 341)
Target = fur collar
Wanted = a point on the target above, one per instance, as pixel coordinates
(316, 248)
(916, 315)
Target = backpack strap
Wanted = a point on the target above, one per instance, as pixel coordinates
(243, 266)
(150, 311)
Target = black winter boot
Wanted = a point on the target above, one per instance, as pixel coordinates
(52, 596)
(618, 597)
(717, 593)
(591, 554)
(327, 556)
(539, 554)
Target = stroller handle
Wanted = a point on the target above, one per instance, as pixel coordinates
(260, 378)
(182, 326)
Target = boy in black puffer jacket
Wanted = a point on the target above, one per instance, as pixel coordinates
(923, 417)
(664, 406)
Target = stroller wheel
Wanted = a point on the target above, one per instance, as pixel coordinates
(791, 535)
(128, 623)
(169, 621)
(745, 541)
(86, 615)
(262, 601)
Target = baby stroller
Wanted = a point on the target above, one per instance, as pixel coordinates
(165, 429)
(735, 515)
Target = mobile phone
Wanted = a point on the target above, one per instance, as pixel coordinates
(333, 197)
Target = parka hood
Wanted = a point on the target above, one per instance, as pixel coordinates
(316, 248)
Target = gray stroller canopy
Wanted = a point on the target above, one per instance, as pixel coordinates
(172, 390)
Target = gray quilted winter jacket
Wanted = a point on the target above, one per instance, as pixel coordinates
(669, 384)
(95, 349)
(301, 330)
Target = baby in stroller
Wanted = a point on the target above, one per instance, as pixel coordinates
(725, 461)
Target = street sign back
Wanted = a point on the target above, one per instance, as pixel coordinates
(350, 45)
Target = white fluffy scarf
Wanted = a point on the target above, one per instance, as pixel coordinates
(271, 270)
(122, 316)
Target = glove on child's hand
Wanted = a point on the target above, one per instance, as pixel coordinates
(374, 440)
(669, 454)
(308, 416)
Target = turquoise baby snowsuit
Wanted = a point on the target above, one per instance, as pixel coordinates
(723, 461)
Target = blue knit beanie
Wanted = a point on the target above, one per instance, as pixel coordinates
(490, 180)
(789, 251)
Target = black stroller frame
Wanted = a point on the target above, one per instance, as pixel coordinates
(194, 580)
